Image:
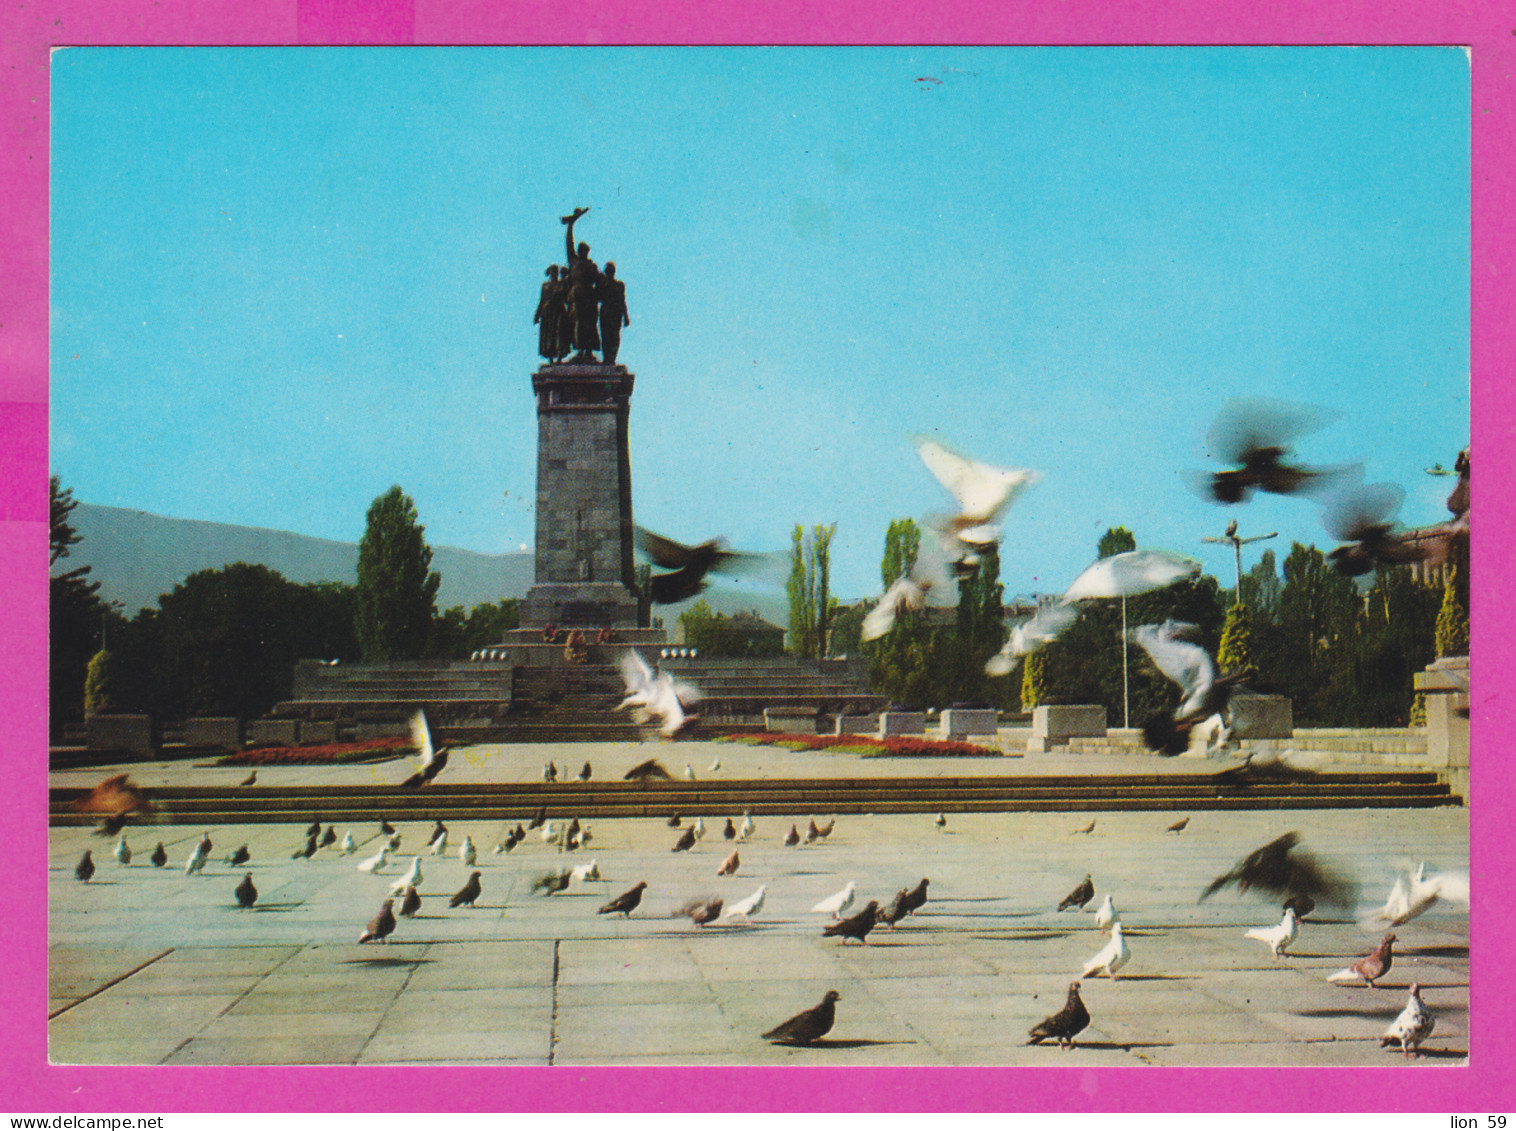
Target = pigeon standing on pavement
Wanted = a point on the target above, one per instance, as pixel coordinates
(329, 837)
(411, 877)
(895, 911)
(729, 831)
(1112, 957)
(856, 927)
(314, 828)
(466, 895)
(699, 828)
(439, 844)
(748, 827)
(747, 908)
(941, 821)
(1413, 1026)
(1080, 895)
(702, 911)
(1279, 937)
(792, 838)
(625, 903)
(385, 828)
(381, 925)
(586, 872)
(239, 857)
(410, 903)
(809, 1026)
(1105, 914)
(551, 883)
(467, 852)
(730, 865)
(685, 842)
(1064, 1025)
(549, 772)
(123, 851)
(585, 772)
(1371, 967)
(439, 832)
(198, 856)
(251, 779)
(1085, 830)
(307, 851)
(375, 863)
(349, 845)
(159, 857)
(915, 899)
(834, 905)
(246, 893)
(1179, 825)
(85, 868)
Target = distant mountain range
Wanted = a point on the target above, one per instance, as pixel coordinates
(137, 556)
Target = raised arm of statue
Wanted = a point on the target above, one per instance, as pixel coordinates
(568, 233)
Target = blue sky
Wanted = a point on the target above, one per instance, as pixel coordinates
(285, 279)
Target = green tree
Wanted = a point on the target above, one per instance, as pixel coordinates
(809, 589)
(1034, 679)
(1117, 540)
(75, 612)
(1452, 633)
(1261, 586)
(981, 627)
(457, 634)
(1236, 651)
(902, 545)
(397, 589)
(98, 691)
(1318, 615)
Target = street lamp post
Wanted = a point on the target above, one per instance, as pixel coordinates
(1230, 538)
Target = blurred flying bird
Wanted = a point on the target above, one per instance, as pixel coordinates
(656, 697)
(586, 872)
(905, 595)
(981, 491)
(551, 883)
(1129, 574)
(1050, 621)
(1363, 517)
(1278, 869)
(1256, 434)
(808, 1026)
(433, 761)
(1414, 893)
(1190, 666)
(1064, 1025)
(115, 799)
(688, 564)
(702, 911)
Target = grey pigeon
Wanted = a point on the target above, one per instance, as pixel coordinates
(466, 895)
(1080, 895)
(625, 903)
(381, 925)
(410, 903)
(895, 912)
(807, 1027)
(159, 857)
(1064, 1025)
(246, 893)
(857, 926)
(551, 883)
(85, 868)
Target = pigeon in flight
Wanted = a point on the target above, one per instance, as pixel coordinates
(856, 927)
(239, 857)
(375, 863)
(1414, 893)
(381, 925)
(1302, 905)
(1277, 868)
(1080, 895)
(465, 896)
(685, 842)
(1064, 1025)
(1105, 914)
(159, 857)
(85, 868)
(687, 565)
(651, 770)
(834, 905)
(809, 1026)
(730, 865)
(981, 491)
(198, 856)
(1130, 573)
(1256, 434)
(625, 903)
(246, 893)
(905, 595)
(1363, 517)
(1371, 967)
(1050, 621)
(1112, 957)
(123, 851)
(1190, 666)
(410, 902)
(702, 911)
(433, 761)
(1413, 1026)
(656, 697)
(747, 908)
(1279, 938)
(115, 799)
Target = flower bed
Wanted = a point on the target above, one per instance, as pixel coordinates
(899, 747)
(332, 753)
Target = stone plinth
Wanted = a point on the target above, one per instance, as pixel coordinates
(317, 732)
(121, 732)
(273, 732)
(857, 724)
(960, 722)
(217, 733)
(893, 723)
(790, 720)
(1261, 716)
(1445, 683)
(584, 563)
(1055, 725)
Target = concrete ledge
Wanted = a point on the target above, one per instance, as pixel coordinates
(790, 720)
(1055, 725)
(121, 732)
(893, 723)
(960, 722)
(219, 733)
(273, 732)
(856, 724)
(315, 732)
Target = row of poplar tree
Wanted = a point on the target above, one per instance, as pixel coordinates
(225, 641)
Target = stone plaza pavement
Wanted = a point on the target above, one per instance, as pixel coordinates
(150, 966)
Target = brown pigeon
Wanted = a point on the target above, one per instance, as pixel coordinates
(625, 903)
(246, 893)
(1178, 826)
(730, 831)
(792, 838)
(916, 898)
(1064, 1025)
(730, 865)
(381, 924)
(856, 926)
(159, 856)
(1371, 967)
(1080, 895)
(466, 895)
(410, 903)
(685, 842)
(1280, 870)
(702, 911)
(85, 868)
(809, 1026)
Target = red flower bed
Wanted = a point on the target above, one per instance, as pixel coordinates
(331, 753)
(903, 746)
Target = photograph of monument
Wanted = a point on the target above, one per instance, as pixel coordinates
(760, 556)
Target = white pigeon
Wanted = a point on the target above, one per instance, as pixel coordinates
(748, 907)
(439, 846)
(747, 828)
(715, 765)
(656, 696)
(981, 491)
(835, 905)
(586, 872)
(1043, 627)
(689, 772)
(1105, 914)
(411, 878)
(349, 845)
(375, 864)
(123, 851)
(198, 856)
(906, 595)
(1414, 893)
(1413, 1026)
(1130, 573)
(1112, 957)
(549, 832)
(467, 852)
(699, 827)
(1190, 666)
(1278, 937)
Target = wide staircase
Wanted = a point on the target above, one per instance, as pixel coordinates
(518, 801)
(452, 692)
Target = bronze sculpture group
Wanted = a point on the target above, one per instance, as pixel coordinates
(582, 309)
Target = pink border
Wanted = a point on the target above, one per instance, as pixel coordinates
(34, 27)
